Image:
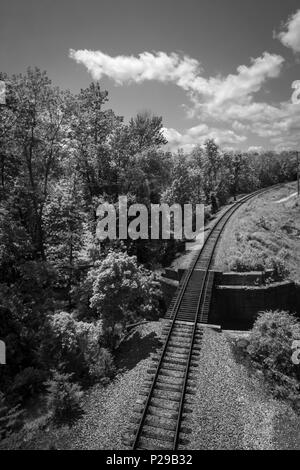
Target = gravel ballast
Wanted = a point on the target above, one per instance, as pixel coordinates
(232, 409)
(108, 410)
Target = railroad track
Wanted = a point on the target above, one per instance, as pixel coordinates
(165, 402)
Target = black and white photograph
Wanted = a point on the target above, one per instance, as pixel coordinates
(149, 228)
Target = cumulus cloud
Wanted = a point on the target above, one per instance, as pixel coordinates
(197, 135)
(290, 35)
(226, 102)
(255, 149)
(184, 71)
(147, 66)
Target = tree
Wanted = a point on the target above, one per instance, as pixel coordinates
(146, 132)
(180, 190)
(270, 348)
(241, 173)
(209, 162)
(39, 115)
(90, 132)
(64, 229)
(76, 347)
(123, 291)
(64, 397)
(137, 159)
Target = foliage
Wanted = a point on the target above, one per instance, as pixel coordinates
(146, 131)
(77, 347)
(242, 177)
(10, 418)
(271, 349)
(61, 154)
(123, 291)
(64, 397)
(210, 163)
(103, 367)
(254, 257)
(181, 189)
(248, 260)
(63, 222)
(28, 383)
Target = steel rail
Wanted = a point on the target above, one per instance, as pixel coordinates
(222, 221)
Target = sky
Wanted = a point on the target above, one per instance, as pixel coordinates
(221, 69)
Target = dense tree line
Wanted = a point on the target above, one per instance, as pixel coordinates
(65, 296)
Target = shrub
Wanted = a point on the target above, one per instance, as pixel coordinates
(77, 345)
(10, 418)
(103, 367)
(271, 349)
(248, 260)
(27, 383)
(264, 223)
(256, 259)
(81, 294)
(64, 397)
(280, 271)
(124, 291)
(62, 345)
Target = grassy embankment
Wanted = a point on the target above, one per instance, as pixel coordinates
(265, 233)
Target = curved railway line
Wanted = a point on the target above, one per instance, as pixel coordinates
(166, 400)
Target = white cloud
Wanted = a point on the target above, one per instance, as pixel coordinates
(239, 126)
(255, 149)
(198, 135)
(290, 37)
(245, 82)
(147, 66)
(226, 103)
(184, 72)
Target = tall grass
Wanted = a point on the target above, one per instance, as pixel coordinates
(264, 235)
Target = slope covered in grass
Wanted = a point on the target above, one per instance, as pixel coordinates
(264, 233)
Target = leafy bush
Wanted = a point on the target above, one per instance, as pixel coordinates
(124, 291)
(103, 368)
(271, 350)
(264, 223)
(81, 294)
(77, 348)
(248, 260)
(256, 259)
(64, 397)
(10, 418)
(27, 383)
(280, 271)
